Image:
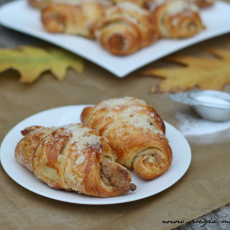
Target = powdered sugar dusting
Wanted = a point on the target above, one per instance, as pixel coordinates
(191, 126)
(125, 113)
(80, 160)
(142, 122)
(131, 111)
(117, 103)
(173, 6)
(82, 139)
(176, 6)
(204, 130)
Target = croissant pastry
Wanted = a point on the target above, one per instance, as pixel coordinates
(40, 4)
(175, 18)
(135, 132)
(126, 29)
(80, 19)
(203, 3)
(138, 2)
(73, 157)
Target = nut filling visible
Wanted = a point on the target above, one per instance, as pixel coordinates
(113, 174)
(156, 158)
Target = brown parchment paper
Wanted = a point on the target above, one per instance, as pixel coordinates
(203, 188)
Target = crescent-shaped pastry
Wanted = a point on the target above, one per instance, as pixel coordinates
(135, 132)
(203, 3)
(126, 28)
(175, 18)
(80, 19)
(138, 2)
(73, 157)
(40, 4)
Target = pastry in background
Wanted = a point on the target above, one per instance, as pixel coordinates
(126, 28)
(175, 18)
(135, 132)
(73, 157)
(81, 19)
(203, 3)
(138, 2)
(40, 4)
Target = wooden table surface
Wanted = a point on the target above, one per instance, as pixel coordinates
(10, 38)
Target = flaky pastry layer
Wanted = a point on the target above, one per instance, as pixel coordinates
(175, 18)
(73, 157)
(135, 132)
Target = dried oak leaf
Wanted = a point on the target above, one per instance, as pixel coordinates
(205, 73)
(31, 62)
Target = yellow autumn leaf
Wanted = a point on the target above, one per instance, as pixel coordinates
(31, 62)
(208, 74)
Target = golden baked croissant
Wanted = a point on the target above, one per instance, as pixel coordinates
(126, 29)
(135, 132)
(73, 157)
(203, 3)
(80, 19)
(40, 4)
(175, 18)
(138, 2)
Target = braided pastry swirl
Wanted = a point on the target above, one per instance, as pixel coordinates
(175, 18)
(135, 132)
(126, 28)
(73, 157)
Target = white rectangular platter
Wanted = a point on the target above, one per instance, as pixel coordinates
(19, 16)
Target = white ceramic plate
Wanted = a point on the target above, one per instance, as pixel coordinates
(19, 16)
(71, 114)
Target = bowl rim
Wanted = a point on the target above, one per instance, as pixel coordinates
(218, 94)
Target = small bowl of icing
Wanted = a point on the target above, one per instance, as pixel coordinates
(209, 104)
